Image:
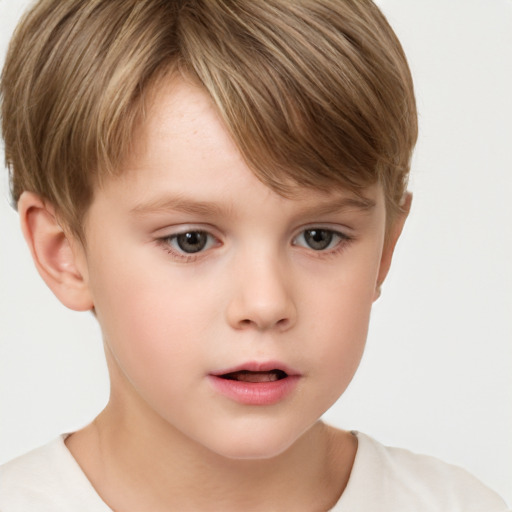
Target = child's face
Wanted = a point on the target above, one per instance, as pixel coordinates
(286, 284)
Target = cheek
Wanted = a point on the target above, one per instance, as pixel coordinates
(151, 320)
(337, 362)
(340, 315)
(342, 340)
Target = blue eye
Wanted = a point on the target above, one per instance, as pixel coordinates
(319, 239)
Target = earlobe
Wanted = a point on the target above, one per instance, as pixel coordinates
(392, 237)
(57, 256)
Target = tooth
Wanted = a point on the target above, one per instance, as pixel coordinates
(256, 377)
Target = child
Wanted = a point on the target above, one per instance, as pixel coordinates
(222, 184)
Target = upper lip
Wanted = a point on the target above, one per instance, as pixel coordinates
(257, 366)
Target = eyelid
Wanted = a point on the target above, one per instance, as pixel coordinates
(343, 238)
(165, 241)
(343, 231)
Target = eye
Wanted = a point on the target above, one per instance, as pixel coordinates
(319, 239)
(190, 242)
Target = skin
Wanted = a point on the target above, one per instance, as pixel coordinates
(257, 292)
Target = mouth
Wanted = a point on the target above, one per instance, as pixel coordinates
(256, 376)
(256, 383)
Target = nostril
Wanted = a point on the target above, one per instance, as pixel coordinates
(281, 324)
(284, 322)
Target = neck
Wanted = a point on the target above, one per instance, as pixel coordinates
(135, 466)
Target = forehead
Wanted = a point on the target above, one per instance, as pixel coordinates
(182, 150)
(180, 130)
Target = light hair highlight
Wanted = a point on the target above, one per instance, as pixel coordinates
(313, 92)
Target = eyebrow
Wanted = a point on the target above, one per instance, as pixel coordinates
(339, 205)
(177, 203)
(207, 208)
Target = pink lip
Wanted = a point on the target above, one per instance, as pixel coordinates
(255, 366)
(256, 393)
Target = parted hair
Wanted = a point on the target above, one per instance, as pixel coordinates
(313, 92)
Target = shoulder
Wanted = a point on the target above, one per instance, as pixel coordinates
(397, 480)
(47, 479)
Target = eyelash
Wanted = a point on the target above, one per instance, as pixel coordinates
(343, 240)
(167, 243)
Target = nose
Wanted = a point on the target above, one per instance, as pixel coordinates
(262, 297)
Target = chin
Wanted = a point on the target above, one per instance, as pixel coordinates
(253, 445)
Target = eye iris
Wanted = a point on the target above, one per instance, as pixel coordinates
(318, 239)
(191, 242)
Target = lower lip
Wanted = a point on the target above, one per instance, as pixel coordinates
(255, 393)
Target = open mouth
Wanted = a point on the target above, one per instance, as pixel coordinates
(255, 377)
(256, 383)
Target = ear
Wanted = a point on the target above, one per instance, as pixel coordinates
(389, 244)
(59, 257)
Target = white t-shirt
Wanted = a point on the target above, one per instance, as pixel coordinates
(383, 479)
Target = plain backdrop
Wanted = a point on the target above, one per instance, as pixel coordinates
(436, 376)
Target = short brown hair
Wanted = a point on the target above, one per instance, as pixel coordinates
(316, 91)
